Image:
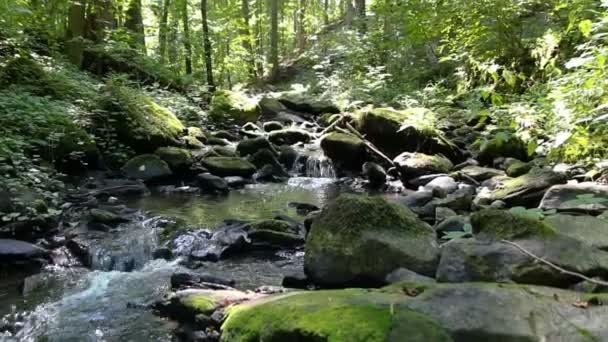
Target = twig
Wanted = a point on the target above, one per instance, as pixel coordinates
(333, 124)
(552, 265)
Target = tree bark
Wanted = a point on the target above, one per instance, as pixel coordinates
(361, 15)
(187, 41)
(326, 12)
(274, 39)
(301, 26)
(259, 39)
(207, 47)
(246, 33)
(163, 30)
(75, 32)
(134, 23)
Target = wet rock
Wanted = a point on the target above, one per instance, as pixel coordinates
(503, 144)
(451, 224)
(303, 208)
(459, 201)
(266, 157)
(251, 146)
(229, 166)
(223, 151)
(162, 253)
(289, 136)
(296, 281)
(416, 199)
(251, 130)
(310, 219)
(586, 197)
(442, 186)
(480, 174)
(210, 183)
(16, 252)
(190, 279)
(404, 275)
(271, 173)
(178, 159)
(360, 239)
(226, 240)
(271, 126)
(526, 190)
(411, 165)
(518, 168)
(375, 174)
(147, 167)
(236, 181)
(225, 135)
(106, 217)
(213, 141)
(186, 305)
(288, 156)
(345, 150)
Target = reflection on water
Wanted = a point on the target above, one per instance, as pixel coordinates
(255, 201)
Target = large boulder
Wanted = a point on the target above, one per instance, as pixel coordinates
(140, 122)
(304, 103)
(234, 106)
(480, 173)
(585, 197)
(17, 252)
(345, 150)
(502, 145)
(251, 146)
(178, 159)
(361, 239)
(229, 166)
(413, 164)
(526, 190)
(289, 136)
(342, 315)
(147, 167)
(411, 130)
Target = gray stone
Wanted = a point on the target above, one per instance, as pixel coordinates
(571, 197)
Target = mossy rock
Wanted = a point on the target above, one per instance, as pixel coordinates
(147, 167)
(251, 146)
(383, 127)
(503, 144)
(332, 316)
(271, 126)
(527, 190)
(518, 168)
(197, 133)
(271, 107)
(358, 240)
(229, 166)
(411, 165)
(227, 105)
(289, 136)
(272, 225)
(140, 122)
(105, 217)
(345, 150)
(494, 224)
(178, 159)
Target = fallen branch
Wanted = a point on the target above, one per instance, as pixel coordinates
(330, 127)
(552, 265)
(369, 144)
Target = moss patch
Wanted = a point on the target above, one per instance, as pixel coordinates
(332, 316)
(496, 224)
(229, 166)
(234, 106)
(177, 158)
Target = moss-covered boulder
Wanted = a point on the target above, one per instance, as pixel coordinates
(147, 167)
(588, 229)
(186, 305)
(518, 168)
(361, 239)
(480, 173)
(178, 159)
(397, 131)
(346, 315)
(271, 107)
(527, 190)
(229, 166)
(289, 136)
(411, 165)
(251, 146)
(272, 126)
(139, 121)
(233, 106)
(494, 224)
(274, 233)
(345, 150)
(503, 144)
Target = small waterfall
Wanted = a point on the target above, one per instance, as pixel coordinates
(312, 162)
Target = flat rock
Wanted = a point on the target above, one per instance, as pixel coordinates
(585, 197)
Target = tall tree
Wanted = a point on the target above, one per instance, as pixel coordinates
(134, 23)
(246, 36)
(325, 12)
(75, 32)
(274, 39)
(163, 30)
(187, 41)
(301, 26)
(207, 47)
(360, 13)
(259, 38)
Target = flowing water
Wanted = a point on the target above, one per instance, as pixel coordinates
(110, 301)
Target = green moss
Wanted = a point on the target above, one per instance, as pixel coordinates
(518, 168)
(140, 122)
(332, 316)
(146, 167)
(496, 224)
(200, 303)
(229, 166)
(177, 158)
(234, 106)
(272, 225)
(537, 179)
(502, 144)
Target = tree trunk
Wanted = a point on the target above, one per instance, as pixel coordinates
(259, 39)
(187, 41)
(163, 30)
(301, 26)
(172, 36)
(134, 22)
(326, 12)
(274, 39)
(349, 12)
(246, 33)
(75, 32)
(361, 15)
(207, 46)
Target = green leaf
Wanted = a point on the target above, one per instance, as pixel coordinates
(585, 26)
